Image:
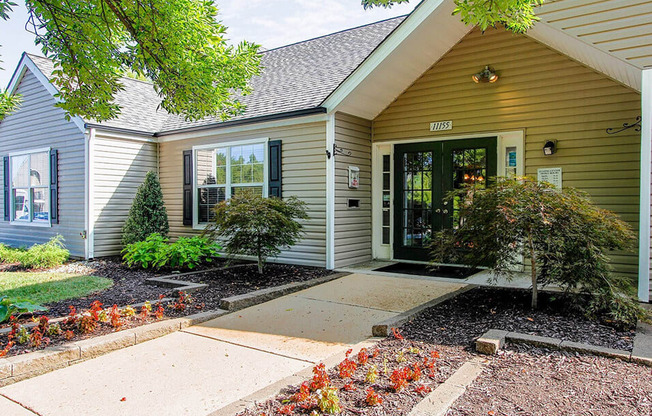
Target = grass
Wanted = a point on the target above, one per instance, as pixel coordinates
(44, 288)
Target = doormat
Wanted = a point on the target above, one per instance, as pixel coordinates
(452, 272)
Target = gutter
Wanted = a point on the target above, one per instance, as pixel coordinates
(253, 120)
(118, 129)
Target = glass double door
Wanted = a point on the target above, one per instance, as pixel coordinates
(423, 174)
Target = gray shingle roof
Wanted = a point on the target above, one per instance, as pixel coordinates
(294, 77)
(138, 102)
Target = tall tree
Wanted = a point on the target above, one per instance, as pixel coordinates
(8, 102)
(516, 15)
(177, 44)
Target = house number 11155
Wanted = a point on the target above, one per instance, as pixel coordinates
(441, 125)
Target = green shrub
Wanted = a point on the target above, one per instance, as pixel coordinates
(156, 253)
(51, 254)
(256, 226)
(8, 254)
(147, 214)
(561, 234)
(146, 254)
(188, 253)
(10, 307)
(39, 256)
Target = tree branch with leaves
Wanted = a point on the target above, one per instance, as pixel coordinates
(516, 15)
(179, 45)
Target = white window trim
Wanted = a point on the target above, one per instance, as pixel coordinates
(12, 215)
(196, 225)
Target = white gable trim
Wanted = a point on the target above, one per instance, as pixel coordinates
(394, 40)
(589, 55)
(27, 64)
(425, 36)
(418, 42)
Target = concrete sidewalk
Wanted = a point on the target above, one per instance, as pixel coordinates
(206, 367)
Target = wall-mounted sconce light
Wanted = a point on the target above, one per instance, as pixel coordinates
(550, 147)
(486, 75)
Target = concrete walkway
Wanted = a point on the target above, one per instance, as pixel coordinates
(207, 367)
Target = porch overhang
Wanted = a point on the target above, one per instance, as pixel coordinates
(612, 38)
(583, 30)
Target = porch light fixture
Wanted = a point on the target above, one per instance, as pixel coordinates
(486, 75)
(550, 147)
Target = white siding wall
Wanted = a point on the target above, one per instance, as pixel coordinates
(352, 225)
(119, 166)
(38, 124)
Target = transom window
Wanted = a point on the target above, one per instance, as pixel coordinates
(222, 171)
(30, 187)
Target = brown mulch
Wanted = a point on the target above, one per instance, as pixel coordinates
(524, 380)
(461, 320)
(390, 351)
(130, 285)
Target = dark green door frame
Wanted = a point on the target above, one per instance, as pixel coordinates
(419, 212)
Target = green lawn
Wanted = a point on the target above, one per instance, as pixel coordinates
(44, 288)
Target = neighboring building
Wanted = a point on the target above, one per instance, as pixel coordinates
(369, 126)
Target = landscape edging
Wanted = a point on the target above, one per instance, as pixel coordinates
(24, 366)
(54, 358)
(382, 329)
(488, 343)
(238, 302)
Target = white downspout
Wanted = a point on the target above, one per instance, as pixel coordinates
(646, 177)
(330, 193)
(90, 183)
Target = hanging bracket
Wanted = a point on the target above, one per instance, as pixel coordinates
(626, 126)
(338, 151)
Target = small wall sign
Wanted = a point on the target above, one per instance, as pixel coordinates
(441, 125)
(511, 159)
(550, 175)
(354, 177)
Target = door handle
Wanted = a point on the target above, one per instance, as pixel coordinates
(438, 211)
(445, 211)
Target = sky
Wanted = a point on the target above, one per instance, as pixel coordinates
(270, 23)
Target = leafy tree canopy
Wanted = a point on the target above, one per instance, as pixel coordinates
(563, 237)
(516, 15)
(177, 44)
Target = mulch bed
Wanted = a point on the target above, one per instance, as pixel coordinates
(524, 380)
(391, 353)
(462, 319)
(130, 285)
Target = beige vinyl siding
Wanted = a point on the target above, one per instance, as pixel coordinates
(119, 167)
(543, 92)
(352, 226)
(38, 124)
(304, 176)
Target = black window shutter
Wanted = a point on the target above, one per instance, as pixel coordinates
(7, 202)
(275, 169)
(54, 186)
(187, 187)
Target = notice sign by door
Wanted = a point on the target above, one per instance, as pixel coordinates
(550, 175)
(354, 177)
